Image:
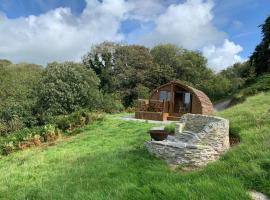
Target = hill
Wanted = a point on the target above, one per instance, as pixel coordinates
(108, 161)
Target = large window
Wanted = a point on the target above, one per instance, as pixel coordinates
(187, 98)
(164, 96)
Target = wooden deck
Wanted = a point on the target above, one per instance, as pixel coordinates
(158, 116)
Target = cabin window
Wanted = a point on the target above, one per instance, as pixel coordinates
(187, 98)
(164, 96)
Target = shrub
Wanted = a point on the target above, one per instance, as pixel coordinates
(7, 148)
(169, 128)
(65, 88)
(3, 128)
(10, 125)
(130, 109)
(53, 129)
(75, 120)
(16, 88)
(111, 103)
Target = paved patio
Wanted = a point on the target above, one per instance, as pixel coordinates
(132, 118)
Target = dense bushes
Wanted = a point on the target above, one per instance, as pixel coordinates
(16, 95)
(30, 95)
(65, 88)
(55, 128)
(260, 84)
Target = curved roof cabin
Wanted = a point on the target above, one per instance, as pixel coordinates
(172, 100)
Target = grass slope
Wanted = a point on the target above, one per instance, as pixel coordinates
(108, 161)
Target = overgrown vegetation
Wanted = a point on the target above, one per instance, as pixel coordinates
(259, 84)
(109, 161)
(62, 125)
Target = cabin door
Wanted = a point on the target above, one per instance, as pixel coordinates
(178, 101)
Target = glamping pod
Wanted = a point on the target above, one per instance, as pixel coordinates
(171, 101)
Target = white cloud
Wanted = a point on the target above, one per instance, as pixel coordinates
(145, 10)
(187, 24)
(190, 25)
(59, 35)
(223, 56)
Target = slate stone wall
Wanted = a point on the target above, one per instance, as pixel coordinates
(203, 139)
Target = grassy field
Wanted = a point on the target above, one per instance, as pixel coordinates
(108, 161)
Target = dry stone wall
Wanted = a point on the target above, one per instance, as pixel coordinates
(202, 139)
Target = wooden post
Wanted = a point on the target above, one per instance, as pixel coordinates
(171, 99)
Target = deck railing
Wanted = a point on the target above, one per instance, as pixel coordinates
(152, 105)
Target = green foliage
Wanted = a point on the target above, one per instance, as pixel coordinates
(16, 95)
(169, 128)
(260, 84)
(132, 63)
(7, 148)
(65, 88)
(239, 74)
(54, 128)
(133, 71)
(111, 103)
(75, 120)
(101, 60)
(182, 64)
(4, 62)
(260, 57)
(216, 87)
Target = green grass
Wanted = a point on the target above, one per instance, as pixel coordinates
(108, 161)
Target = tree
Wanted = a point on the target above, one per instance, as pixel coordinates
(101, 59)
(132, 64)
(239, 74)
(67, 87)
(260, 58)
(178, 63)
(16, 92)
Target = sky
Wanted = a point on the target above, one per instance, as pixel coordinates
(42, 31)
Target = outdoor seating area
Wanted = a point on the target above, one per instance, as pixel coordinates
(198, 140)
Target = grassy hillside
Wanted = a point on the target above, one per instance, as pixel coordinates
(108, 161)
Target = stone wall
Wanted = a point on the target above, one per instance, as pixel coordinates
(203, 139)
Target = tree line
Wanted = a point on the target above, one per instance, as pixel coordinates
(111, 77)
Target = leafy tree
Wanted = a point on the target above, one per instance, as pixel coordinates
(158, 75)
(260, 58)
(178, 63)
(239, 74)
(132, 64)
(101, 59)
(122, 69)
(16, 93)
(216, 87)
(67, 87)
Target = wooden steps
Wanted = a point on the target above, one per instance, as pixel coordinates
(173, 118)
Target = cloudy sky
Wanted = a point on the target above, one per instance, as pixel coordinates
(41, 31)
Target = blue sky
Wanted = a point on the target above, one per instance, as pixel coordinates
(226, 31)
